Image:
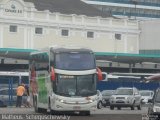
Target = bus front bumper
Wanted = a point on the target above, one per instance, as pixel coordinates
(60, 106)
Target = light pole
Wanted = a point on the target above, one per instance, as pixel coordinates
(135, 2)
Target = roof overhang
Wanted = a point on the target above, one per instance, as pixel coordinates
(107, 56)
(127, 58)
(16, 53)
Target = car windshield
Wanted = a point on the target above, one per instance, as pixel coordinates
(145, 93)
(124, 92)
(107, 93)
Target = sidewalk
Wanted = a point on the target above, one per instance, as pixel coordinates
(15, 110)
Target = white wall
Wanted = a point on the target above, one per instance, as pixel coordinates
(52, 23)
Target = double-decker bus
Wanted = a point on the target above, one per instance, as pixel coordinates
(64, 79)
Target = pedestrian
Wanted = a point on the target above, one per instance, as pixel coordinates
(20, 91)
(27, 101)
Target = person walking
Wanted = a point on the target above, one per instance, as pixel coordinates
(20, 91)
(27, 100)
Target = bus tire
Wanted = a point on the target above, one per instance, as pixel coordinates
(86, 113)
(36, 109)
(49, 110)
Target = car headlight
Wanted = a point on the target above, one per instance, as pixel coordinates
(129, 98)
(112, 98)
(156, 109)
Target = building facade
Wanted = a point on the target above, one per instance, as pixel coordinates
(22, 25)
(149, 37)
(132, 9)
(35, 24)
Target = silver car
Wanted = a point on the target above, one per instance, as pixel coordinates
(126, 97)
(146, 95)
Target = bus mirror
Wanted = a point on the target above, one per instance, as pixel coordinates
(52, 74)
(104, 76)
(99, 73)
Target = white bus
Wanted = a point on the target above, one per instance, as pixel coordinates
(64, 79)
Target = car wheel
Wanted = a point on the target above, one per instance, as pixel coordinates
(139, 107)
(85, 113)
(132, 108)
(99, 106)
(119, 108)
(112, 107)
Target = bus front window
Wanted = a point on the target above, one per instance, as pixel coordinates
(84, 85)
(75, 61)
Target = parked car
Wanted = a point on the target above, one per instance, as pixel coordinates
(146, 95)
(126, 97)
(106, 94)
(154, 107)
(8, 97)
(99, 100)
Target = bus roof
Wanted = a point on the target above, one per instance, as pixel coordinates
(70, 49)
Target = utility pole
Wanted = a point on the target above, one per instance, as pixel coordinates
(135, 2)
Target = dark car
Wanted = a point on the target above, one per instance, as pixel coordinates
(106, 94)
(154, 107)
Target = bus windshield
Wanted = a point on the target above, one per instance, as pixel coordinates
(75, 61)
(83, 85)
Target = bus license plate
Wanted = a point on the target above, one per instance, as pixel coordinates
(76, 108)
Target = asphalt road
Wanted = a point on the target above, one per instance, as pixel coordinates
(102, 114)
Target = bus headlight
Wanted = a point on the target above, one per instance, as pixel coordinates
(60, 100)
(90, 100)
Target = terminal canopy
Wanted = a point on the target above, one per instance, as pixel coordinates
(18, 53)
(127, 58)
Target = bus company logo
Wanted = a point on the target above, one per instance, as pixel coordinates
(13, 9)
(13, 6)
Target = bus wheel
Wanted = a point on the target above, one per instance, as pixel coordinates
(35, 105)
(87, 113)
(49, 110)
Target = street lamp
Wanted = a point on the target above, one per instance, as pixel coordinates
(135, 2)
